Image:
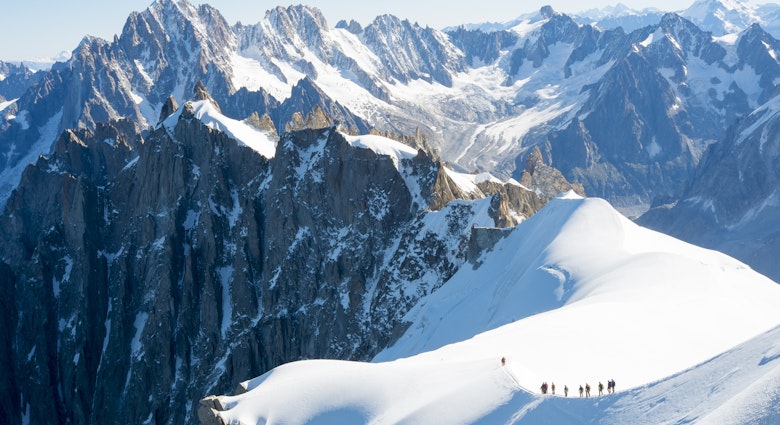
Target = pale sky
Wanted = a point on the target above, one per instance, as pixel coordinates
(31, 29)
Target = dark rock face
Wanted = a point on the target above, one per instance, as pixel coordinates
(352, 26)
(305, 98)
(481, 46)
(169, 107)
(117, 313)
(143, 272)
(731, 203)
(629, 146)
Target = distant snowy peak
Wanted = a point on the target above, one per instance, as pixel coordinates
(295, 42)
(697, 65)
(302, 26)
(411, 52)
(617, 11)
(45, 63)
(172, 44)
(534, 19)
(722, 16)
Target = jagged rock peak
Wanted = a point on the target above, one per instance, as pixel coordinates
(296, 17)
(353, 26)
(674, 22)
(88, 47)
(534, 160)
(171, 21)
(201, 93)
(546, 179)
(390, 21)
(172, 10)
(316, 119)
(169, 107)
(547, 12)
(263, 123)
(411, 52)
(170, 5)
(755, 31)
(165, 10)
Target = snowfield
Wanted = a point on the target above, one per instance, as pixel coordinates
(576, 294)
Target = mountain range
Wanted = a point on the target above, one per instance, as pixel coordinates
(482, 100)
(718, 17)
(194, 203)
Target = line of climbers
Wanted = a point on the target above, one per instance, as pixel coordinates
(583, 390)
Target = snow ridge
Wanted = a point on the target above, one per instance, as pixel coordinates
(575, 294)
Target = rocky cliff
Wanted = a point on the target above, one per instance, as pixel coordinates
(731, 203)
(143, 270)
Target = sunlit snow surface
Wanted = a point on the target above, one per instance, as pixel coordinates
(247, 135)
(397, 151)
(6, 104)
(575, 294)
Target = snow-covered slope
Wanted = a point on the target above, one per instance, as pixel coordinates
(577, 294)
(584, 292)
(740, 386)
(209, 114)
(620, 15)
(732, 16)
(723, 16)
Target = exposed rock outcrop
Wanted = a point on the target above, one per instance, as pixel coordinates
(169, 107)
(153, 270)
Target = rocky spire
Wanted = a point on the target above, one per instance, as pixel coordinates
(169, 107)
(549, 180)
(201, 93)
(263, 123)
